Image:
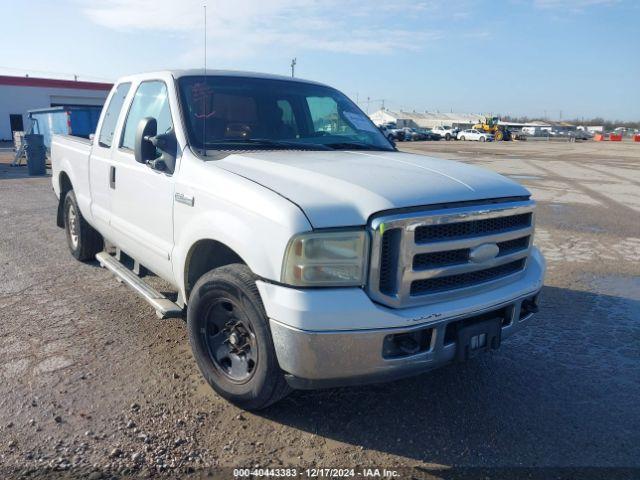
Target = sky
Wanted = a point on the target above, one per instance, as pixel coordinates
(541, 58)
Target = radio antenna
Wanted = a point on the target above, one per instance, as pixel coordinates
(204, 85)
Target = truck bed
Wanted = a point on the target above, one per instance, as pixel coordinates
(70, 154)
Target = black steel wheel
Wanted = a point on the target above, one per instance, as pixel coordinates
(231, 339)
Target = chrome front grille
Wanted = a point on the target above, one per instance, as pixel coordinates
(427, 256)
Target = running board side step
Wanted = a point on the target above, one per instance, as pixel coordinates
(164, 307)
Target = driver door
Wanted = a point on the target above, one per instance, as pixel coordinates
(142, 213)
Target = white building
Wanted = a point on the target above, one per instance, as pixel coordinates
(21, 94)
(424, 120)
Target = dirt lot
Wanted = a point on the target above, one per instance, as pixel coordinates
(93, 383)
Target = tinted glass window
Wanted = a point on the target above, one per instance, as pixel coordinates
(151, 100)
(224, 112)
(288, 118)
(111, 115)
(326, 116)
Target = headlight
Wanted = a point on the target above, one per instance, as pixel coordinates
(326, 259)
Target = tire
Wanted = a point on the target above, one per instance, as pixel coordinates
(483, 139)
(83, 240)
(462, 138)
(447, 137)
(231, 339)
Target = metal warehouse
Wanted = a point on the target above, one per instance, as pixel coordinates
(18, 95)
(424, 120)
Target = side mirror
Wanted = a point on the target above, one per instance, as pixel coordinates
(145, 151)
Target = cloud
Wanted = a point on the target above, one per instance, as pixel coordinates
(245, 27)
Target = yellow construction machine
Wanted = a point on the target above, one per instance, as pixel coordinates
(490, 125)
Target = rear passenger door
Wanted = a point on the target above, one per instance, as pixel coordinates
(101, 173)
(142, 214)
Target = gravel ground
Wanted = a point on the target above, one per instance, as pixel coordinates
(94, 385)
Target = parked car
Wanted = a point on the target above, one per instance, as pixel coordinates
(426, 134)
(519, 135)
(580, 135)
(407, 134)
(415, 134)
(393, 133)
(431, 135)
(446, 132)
(303, 258)
(477, 135)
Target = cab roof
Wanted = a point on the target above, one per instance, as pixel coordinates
(214, 73)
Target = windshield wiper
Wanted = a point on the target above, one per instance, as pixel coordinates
(271, 143)
(355, 146)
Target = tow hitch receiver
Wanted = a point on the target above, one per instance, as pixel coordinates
(477, 338)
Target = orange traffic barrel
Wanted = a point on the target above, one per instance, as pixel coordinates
(615, 138)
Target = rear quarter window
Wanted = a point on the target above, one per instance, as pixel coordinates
(111, 115)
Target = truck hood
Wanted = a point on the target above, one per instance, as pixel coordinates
(344, 188)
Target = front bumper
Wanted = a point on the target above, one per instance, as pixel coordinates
(326, 338)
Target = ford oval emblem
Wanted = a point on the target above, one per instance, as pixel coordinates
(484, 252)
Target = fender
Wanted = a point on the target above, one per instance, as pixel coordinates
(263, 254)
(253, 221)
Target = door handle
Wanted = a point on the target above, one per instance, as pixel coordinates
(112, 177)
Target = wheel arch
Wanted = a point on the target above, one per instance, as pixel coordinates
(205, 255)
(65, 185)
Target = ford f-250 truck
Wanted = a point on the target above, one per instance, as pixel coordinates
(306, 250)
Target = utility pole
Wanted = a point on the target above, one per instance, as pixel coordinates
(293, 66)
(368, 100)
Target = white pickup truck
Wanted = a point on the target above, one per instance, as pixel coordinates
(306, 250)
(446, 132)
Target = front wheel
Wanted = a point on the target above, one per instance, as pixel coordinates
(231, 340)
(462, 138)
(447, 137)
(483, 139)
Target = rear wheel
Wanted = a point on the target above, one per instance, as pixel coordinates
(462, 138)
(231, 339)
(483, 138)
(447, 137)
(499, 136)
(83, 240)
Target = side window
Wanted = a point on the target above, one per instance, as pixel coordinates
(151, 100)
(325, 116)
(111, 115)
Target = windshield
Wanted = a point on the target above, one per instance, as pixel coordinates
(223, 112)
